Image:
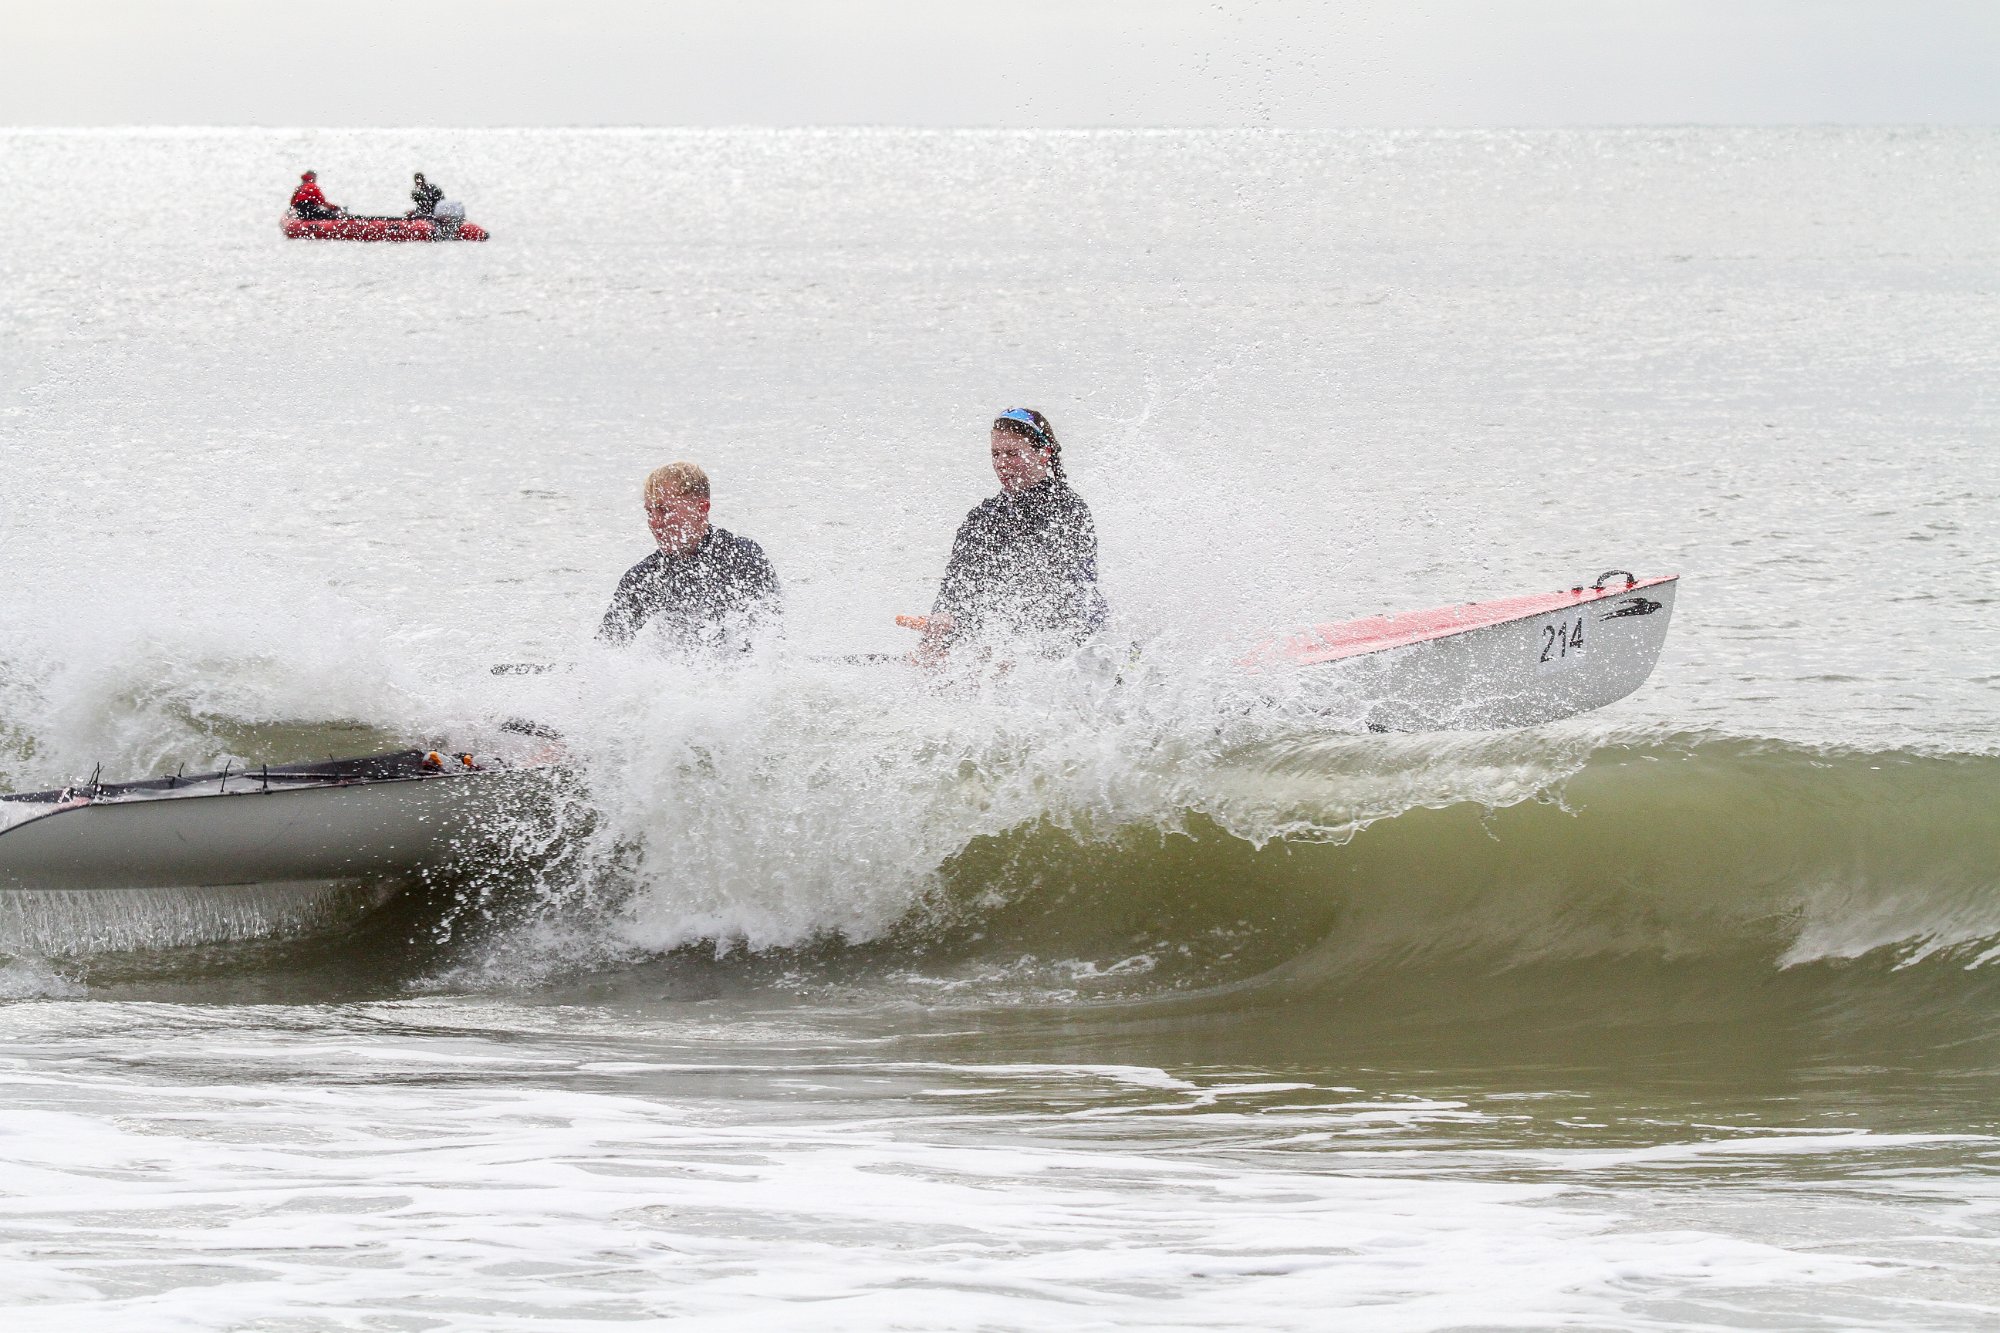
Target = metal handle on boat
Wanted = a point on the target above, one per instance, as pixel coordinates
(87, 791)
(1629, 580)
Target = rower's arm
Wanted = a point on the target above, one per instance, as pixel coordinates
(626, 613)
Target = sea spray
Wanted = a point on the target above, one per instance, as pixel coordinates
(153, 679)
(786, 801)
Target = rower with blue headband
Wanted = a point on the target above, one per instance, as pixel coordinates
(1023, 567)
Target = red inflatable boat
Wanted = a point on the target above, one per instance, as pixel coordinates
(379, 229)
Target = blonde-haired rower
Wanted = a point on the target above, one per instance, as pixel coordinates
(704, 588)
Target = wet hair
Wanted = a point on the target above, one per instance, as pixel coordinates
(1047, 444)
(677, 479)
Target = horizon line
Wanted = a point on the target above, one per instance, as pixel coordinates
(886, 126)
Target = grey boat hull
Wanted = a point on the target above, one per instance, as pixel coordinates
(272, 834)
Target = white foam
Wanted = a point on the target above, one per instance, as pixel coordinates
(343, 1168)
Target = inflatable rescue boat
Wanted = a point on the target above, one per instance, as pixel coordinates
(379, 229)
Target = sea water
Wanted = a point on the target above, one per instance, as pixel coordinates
(1083, 996)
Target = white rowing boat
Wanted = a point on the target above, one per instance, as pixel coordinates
(300, 825)
(1485, 666)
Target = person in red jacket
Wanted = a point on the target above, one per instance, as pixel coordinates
(310, 204)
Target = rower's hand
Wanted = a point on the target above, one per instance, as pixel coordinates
(935, 645)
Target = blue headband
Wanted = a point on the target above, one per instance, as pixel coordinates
(1021, 416)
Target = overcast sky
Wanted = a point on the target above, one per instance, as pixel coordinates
(1003, 62)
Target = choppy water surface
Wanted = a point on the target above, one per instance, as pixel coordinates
(825, 999)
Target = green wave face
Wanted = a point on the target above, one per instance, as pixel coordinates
(1662, 853)
(1519, 896)
(1700, 898)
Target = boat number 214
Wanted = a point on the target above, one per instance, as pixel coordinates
(1562, 640)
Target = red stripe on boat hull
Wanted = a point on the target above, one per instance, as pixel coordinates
(1337, 641)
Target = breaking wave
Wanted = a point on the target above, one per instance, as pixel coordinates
(1119, 832)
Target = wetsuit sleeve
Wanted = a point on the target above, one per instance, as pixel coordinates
(627, 611)
(743, 603)
(1078, 560)
(960, 586)
(1059, 583)
(763, 598)
(1077, 550)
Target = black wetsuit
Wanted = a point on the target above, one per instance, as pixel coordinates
(426, 197)
(716, 597)
(1025, 565)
